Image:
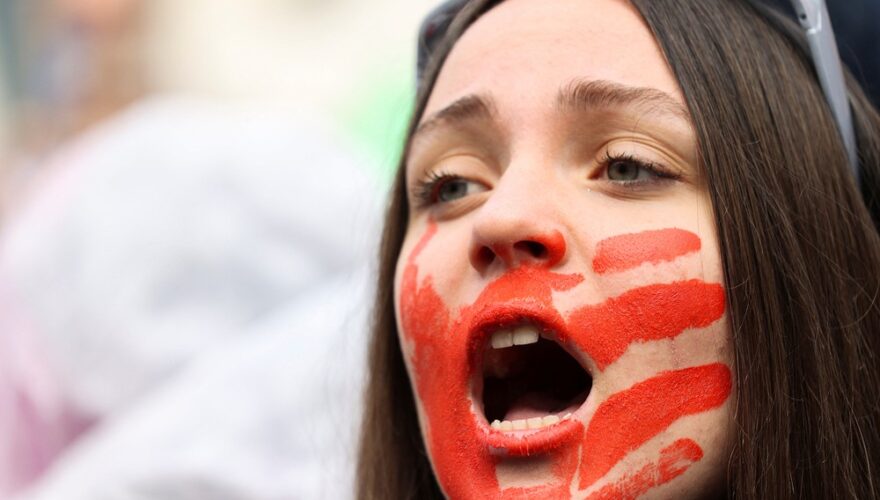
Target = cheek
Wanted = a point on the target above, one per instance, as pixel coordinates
(440, 256)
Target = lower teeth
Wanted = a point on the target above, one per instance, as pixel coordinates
(531, 423)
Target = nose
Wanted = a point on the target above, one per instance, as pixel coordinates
(511, 235)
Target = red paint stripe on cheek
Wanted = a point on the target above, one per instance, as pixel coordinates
(630, 418)
(652, 312)
(674, 460)
(631, 250)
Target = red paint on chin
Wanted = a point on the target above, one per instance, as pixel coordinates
(675, 459)
(630, 418)
(653, 312)
(565, 462)
(627, 251)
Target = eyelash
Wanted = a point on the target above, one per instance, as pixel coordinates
(426, 190)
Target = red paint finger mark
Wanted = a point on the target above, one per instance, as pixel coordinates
(423, 242)
(421, 309)
(631, 417)
(631, 250)
(653, 312)
(674, 460)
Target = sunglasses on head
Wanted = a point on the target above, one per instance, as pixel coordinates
(812, 16)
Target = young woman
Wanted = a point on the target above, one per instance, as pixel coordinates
(626, 255)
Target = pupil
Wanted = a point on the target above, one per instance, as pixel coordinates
(453, 190)
(623, 171)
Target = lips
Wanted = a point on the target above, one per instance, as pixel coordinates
(527, 379)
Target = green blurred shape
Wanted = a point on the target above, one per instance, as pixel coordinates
(376, 116)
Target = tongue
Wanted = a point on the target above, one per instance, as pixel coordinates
(533, 404)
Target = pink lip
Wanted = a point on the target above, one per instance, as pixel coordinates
(484, 322)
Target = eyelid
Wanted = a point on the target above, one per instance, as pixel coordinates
(649, 152)
(439, 146)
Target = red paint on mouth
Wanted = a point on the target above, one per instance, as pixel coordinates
(630, 418)
(627, 251)
(653, 312)
(675, 459)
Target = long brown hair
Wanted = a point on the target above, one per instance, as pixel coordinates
(799, 248)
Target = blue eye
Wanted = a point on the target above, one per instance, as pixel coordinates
(622, 170)
(454, 189)
(627, 169)
(446, 188)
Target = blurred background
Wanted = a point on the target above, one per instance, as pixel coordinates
(190, 195)
(68, 64)
(189, 201)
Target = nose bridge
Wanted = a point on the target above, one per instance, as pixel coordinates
(518, 224)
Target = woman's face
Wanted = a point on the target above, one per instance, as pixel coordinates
(559, 293)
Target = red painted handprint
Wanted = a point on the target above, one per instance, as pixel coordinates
(447, 350)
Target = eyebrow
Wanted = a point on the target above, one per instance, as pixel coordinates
(578, 95)
(599, 94)
(473, 107)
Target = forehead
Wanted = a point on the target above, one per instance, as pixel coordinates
(522, 52)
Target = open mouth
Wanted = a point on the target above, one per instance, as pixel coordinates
(529, 381)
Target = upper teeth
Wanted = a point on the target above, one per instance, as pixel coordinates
(521, 335)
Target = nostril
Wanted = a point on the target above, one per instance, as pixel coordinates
(543, 250)
(533, 248)
(484, 257)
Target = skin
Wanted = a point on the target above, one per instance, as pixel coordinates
(531, 217)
